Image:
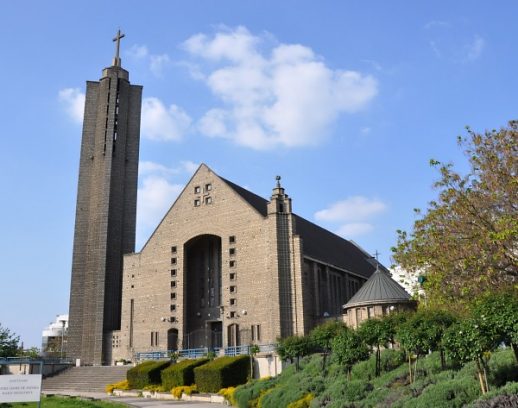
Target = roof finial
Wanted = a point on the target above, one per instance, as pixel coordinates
(278, 178)
(376, 255)
(117, 40)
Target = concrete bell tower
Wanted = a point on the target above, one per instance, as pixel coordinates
(105, 212)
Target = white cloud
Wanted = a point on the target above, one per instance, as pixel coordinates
(74, 102)
(475, 48)
(354, 229)
(352, 216)
(158, 63)
(163, 123)
(351, 209)
(137, 51)
(149, 167)
(155, 196)
(288, 97)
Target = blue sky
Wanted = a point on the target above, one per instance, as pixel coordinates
(347, 101)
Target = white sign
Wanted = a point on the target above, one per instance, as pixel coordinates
(20, 388)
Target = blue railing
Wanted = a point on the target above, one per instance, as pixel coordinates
(201, 352)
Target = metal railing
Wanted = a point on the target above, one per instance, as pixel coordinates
(202, 352)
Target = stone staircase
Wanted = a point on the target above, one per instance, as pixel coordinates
(86, 379)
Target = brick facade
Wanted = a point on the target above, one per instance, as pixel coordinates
(105, 212)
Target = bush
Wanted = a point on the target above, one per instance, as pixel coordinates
(244, 394)
(184, 389)
(181, 373)
(303, 402)
(121, 385)
(229, 394)
(221, 373)
(146, 373)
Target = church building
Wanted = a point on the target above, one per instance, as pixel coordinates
(225, 267)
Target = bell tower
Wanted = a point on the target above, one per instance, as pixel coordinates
(106, 210)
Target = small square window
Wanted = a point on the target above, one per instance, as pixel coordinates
(233, 302)
(196, 203)
(232, 264)
(173, 249)
(232, 276)
(232, 239)
(197, 190)
(208, 187)
(172, 319)
(233, 289)
(208, 200)
(172, 308)
(173, 284)
(173, 261)
(173, 295)
(132, 286)
(232, 251)
(173, 272)
(232, 315)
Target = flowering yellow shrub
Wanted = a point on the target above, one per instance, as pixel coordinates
(184, 389)
(121, 385)
(303, 402)
(228, 394)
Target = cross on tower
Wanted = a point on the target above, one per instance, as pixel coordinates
(117, 40)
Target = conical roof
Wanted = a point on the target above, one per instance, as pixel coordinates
(379, 289)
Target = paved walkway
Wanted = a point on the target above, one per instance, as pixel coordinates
(139, 402)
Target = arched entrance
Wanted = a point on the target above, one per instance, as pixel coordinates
(202, 271)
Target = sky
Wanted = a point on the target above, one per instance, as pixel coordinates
(347, 101)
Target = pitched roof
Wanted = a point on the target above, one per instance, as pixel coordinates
(318, 243)
(379, 289)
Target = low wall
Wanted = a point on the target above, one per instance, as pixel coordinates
(27, 368)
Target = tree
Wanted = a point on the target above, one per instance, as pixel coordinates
(469, 340)
(8, 343)
(292, 348)
(423, 332)
(466, 243)
(375, 333)
(348, 349)
(499, 312)
(322, 336)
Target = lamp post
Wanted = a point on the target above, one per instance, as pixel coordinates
(62, 336)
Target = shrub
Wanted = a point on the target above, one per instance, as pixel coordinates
(221, 373)
(184, 389)
(146, 373)
(303, 402)
(229, 395)
(252, 391)
(121, 385)
(181, 373)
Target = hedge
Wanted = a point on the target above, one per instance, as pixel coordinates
(221, 373)
(146, 373)
(181, 373)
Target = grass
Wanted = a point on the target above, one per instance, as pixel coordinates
(64, 402)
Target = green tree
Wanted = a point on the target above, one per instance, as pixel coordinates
(375, 333)
(292, 348)
(348, 349)
(322, 336)
(8, 343)
(423, 332)
(499, 312)
(466, 242)
(469, 340)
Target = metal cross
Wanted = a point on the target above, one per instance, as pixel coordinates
(376, 254)
(117, 39)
